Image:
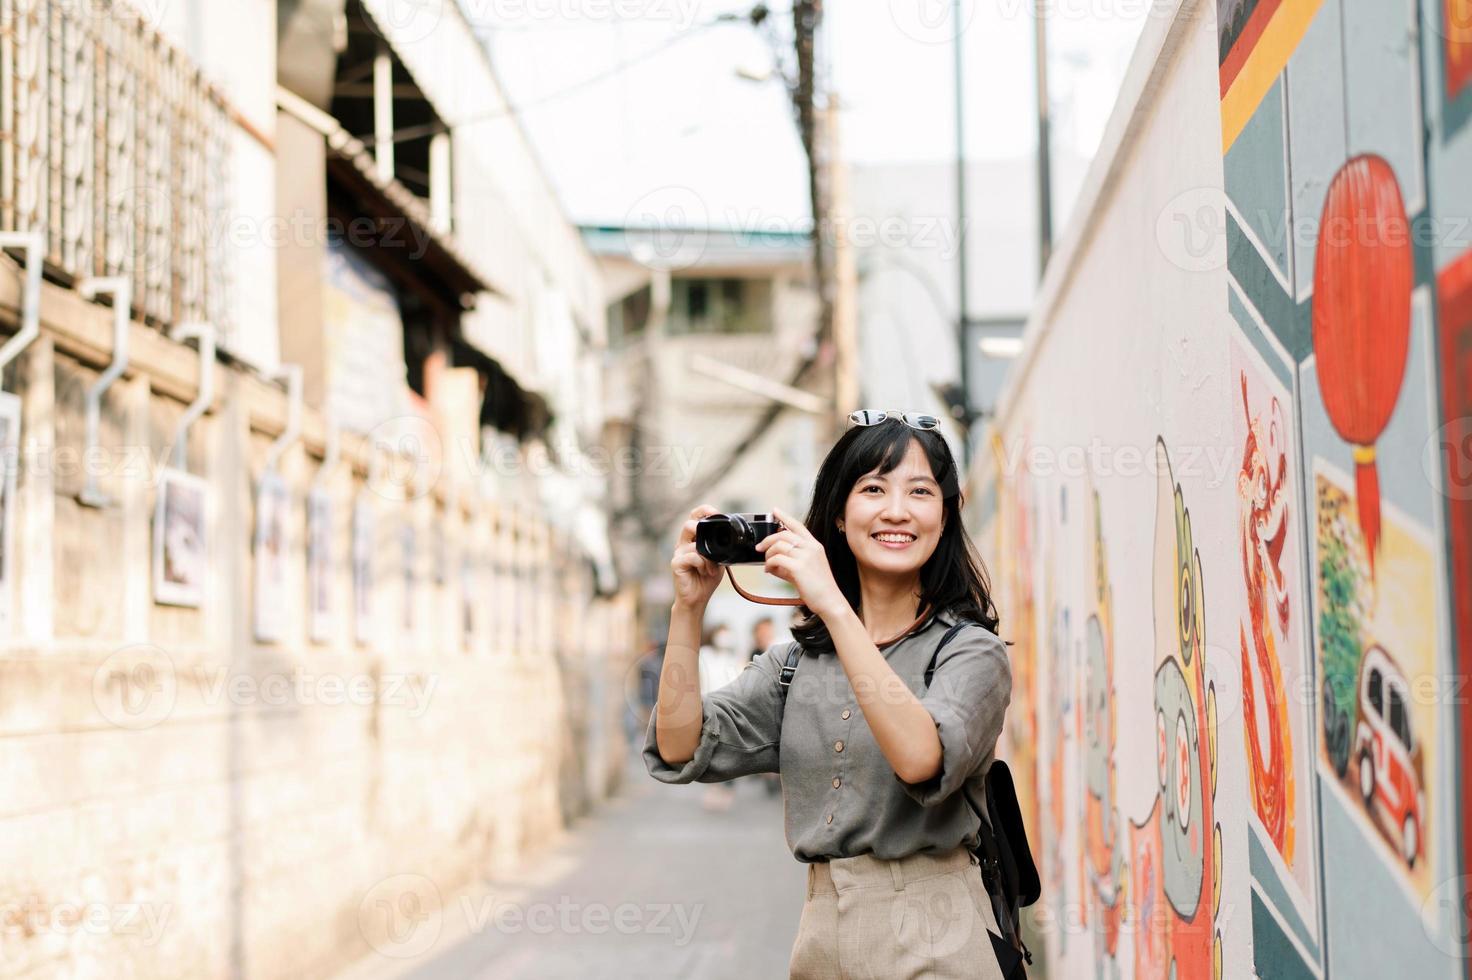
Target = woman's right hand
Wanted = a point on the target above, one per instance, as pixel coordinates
(696, 576)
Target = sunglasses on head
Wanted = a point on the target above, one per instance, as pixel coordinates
(915, 420)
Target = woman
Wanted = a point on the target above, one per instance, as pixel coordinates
(873, 762)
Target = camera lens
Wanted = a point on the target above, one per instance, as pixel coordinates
(740, 531)
(720, 536)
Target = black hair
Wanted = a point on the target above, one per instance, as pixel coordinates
(953, 579)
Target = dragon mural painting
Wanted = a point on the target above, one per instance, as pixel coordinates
(1103, 851)
(1175, 853)
(1059, 705)
(1017, 539)
(1262, 495)
(1057, 711)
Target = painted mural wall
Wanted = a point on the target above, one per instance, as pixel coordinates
(1228, 508)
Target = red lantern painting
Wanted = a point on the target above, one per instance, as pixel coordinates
(1363, 276)
(1457, 27)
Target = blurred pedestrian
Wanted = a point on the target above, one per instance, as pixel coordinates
(762, 632)
(882, 733)
(645, 687)
(719, 665)
(719, 661)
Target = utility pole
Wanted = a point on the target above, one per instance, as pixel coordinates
(802, 87)
(845, 277)
(1045, 144)
(963, 314)
(807, 15)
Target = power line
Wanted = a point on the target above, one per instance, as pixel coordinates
(422, 130)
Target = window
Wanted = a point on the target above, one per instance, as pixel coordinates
(629, 316)
(1377, 700)
(1398, 721)
(725, 305)
(414, 120)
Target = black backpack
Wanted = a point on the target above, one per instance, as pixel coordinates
(1007, 867)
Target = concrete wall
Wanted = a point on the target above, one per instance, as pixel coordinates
(1226, 511)
(216, 806)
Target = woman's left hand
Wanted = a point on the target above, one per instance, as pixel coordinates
(795, 556)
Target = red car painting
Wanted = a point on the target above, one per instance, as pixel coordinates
(1388, 755)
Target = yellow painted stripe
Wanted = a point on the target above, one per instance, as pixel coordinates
(1263, 66)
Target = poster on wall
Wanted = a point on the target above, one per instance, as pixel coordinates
(180, 546)
(408, 546)
(319, 565)
(364, 336)
(269, 550)
(362, 555)
(440, 552)
(10, 409)
(1376, 646)
(1275, 663)
(467, 598)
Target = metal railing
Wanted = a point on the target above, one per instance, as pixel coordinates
(116, 148)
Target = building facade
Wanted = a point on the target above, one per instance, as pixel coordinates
(304, 612)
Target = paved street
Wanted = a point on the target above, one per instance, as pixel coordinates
(651, 886)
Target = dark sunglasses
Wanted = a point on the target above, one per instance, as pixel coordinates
(915, 420)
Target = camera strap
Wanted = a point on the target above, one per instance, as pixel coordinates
(764, 600)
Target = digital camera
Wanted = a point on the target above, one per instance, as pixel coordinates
(731, 539)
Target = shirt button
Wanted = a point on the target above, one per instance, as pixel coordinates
(838, 746)
(830, 818)
(846, 713)
(836, 782)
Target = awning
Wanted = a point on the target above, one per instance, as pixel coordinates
(507, 406)
(450, 273)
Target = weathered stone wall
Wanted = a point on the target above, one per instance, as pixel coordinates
(216, 806)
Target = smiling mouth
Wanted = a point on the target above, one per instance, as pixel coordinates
(894, 539)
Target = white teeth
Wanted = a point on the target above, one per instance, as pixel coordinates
(895, 537)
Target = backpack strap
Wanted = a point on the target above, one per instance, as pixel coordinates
(999, 866)
(784, 680)
(930, 668)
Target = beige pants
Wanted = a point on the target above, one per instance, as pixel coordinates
(923, 916)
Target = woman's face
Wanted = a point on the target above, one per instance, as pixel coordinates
(893, 520)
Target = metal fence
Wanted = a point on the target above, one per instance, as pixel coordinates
(115, 147)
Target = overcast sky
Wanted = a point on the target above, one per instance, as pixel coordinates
(624, 110)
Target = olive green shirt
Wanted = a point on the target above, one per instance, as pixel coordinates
(841, 796)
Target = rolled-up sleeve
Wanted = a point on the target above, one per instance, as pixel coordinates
(740, 733)
(967, 698)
